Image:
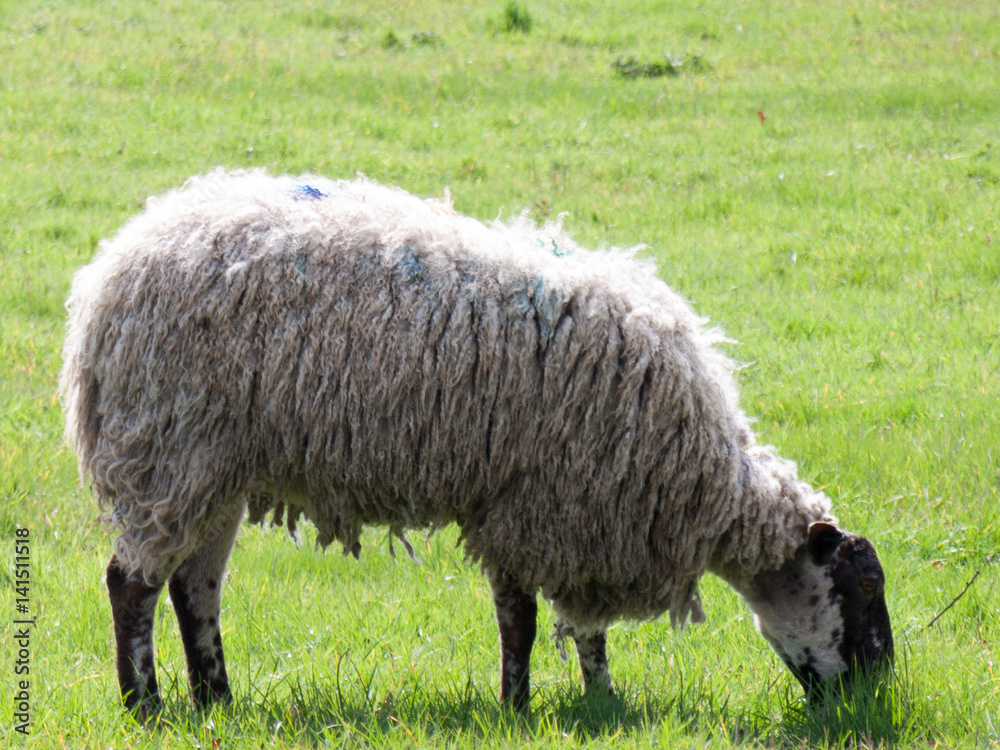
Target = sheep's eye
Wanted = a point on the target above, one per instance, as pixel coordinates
(869, 584)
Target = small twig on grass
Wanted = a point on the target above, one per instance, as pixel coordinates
(952, 602)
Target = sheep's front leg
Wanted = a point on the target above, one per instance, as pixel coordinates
(592, 651)
(133, 606)
(516, 613)
(196, 591)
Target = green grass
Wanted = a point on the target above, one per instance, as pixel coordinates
(850, 240)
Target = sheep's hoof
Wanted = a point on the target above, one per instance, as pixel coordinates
(520, 708)
(146, 710)
(203, 699)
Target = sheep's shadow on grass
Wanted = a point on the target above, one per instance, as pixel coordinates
(312, 710)
(872, 713)
(856, 719)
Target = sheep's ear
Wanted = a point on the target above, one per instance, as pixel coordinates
(824, 538)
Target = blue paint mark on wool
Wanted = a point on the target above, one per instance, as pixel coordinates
(549, 303)
(409, 264)
(544, 242)
(540, 301)
(307, 193)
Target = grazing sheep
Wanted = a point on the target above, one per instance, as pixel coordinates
(348, 353)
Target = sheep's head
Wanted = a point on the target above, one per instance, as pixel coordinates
(824, 612)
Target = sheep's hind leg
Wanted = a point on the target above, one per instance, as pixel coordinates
(592, 651)
(517, 611)
(133, 606)
(196, 591)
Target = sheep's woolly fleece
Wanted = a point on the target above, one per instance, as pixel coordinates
(350, 353)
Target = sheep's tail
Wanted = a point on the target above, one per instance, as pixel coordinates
(78, 387)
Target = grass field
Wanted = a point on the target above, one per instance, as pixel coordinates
(820, 179)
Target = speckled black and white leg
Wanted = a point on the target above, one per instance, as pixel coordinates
(592, 651)
(517, 611)
(195, 591)
(133, 607)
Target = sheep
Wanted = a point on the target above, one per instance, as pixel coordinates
(347, 353)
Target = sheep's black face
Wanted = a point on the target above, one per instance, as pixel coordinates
(824, 612)
(859, 586)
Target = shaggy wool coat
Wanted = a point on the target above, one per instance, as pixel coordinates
(347, 352)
